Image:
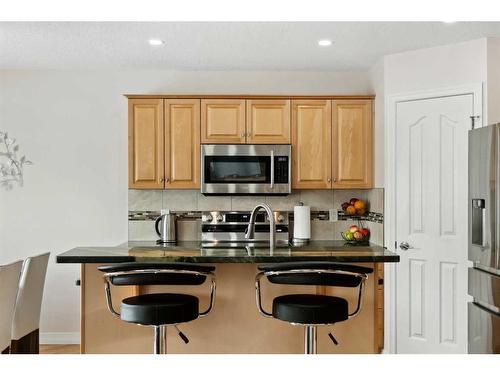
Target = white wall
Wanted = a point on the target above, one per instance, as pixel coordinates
(73, 126)
(493, 80)
(428, 69)
(437, 67)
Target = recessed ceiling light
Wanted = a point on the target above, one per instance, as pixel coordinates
(325, 42)
(156, 42)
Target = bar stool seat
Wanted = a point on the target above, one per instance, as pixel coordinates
(310, 309)
(160, 309)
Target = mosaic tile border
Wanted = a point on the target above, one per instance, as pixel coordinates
(315, 215)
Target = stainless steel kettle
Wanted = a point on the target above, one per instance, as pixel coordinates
(166, 227)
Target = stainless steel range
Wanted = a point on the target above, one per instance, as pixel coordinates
(227, 229)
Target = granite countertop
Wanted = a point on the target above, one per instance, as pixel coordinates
(193, 252)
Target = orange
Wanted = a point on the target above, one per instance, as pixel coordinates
(350, 210)
(361, 211)
(359, 205)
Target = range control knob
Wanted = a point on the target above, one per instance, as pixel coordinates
(280, 218)
(219, 218)
(206, 218)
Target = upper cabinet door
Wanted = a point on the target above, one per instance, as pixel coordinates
(182, 143)
(311, 144)
(352, 144)
(223, 121)
(145, 139)
(268, 121)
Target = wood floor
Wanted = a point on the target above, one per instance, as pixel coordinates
(60, 349)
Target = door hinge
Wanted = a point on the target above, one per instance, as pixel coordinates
(473, 120)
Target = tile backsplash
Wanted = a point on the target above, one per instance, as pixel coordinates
(192, 200)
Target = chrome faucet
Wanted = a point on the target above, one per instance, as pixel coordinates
(250, 231)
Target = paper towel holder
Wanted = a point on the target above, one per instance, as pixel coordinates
(300, 241)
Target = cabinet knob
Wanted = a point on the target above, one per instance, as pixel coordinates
(167, 179)
(242, 135)
(329, 179)
(334, 180)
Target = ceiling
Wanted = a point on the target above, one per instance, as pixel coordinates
(222, 45)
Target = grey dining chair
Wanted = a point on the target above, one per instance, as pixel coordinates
(26, 320)
(9, 285)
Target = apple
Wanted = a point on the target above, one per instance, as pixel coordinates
(365, 232)
(345, 205)
(353, 228)
(353, 200)
(358, 235)
(348, 236)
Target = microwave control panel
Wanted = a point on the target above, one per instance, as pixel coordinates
(281, 169)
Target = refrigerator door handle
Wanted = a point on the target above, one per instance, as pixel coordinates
(483, 220)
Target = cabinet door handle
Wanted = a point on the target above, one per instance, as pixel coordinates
(242, 135)
(167, 179)
(329, 179)
(334, 180)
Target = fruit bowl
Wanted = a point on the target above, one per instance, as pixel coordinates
(355, 207)
(356, 235)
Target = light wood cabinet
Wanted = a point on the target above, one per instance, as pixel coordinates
(311, 144)
(352, 144)
(268, 121)
(332, 139)
(145, 137)
(222, 121)
(182, 143)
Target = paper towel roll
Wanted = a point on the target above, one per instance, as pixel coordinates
(302, 222)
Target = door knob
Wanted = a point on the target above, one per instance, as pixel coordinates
(404, 246)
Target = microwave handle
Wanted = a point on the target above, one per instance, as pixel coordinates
(272, 169)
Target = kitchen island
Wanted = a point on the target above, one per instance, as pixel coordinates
(234, 325)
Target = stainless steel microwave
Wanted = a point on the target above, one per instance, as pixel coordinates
(246, 169)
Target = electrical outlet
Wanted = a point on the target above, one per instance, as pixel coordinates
(334, 215)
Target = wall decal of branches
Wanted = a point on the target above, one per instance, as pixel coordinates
(11, 165)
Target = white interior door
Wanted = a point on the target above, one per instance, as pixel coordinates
(431, 211)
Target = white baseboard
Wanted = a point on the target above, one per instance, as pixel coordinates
(59, 338)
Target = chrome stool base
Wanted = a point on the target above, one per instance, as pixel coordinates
(160, 340)
(310, 339)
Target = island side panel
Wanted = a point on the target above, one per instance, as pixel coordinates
(233, 326)
(102, 331)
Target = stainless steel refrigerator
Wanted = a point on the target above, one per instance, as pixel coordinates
(484, 240)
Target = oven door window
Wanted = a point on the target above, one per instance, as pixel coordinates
(237, 169)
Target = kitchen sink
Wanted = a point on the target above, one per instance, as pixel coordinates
(243, 245)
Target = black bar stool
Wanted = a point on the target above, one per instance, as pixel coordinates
(159, 309)
(312, 310)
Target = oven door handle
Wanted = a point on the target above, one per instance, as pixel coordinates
(272, 169)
